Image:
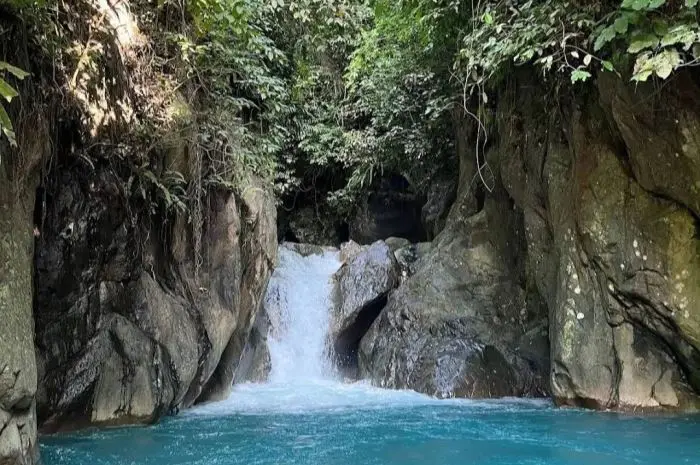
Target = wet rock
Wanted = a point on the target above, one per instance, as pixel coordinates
(255, 361)
(363, 284)
(452, 328)
(349, 250)
(307, 249)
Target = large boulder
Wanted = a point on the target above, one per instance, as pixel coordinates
(133, 320)
(363, 284)
(456, 326)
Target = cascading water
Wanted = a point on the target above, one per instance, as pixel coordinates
(302, 378)
(298, 304)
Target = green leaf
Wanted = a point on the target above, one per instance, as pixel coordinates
(691, 3)
(643, 67)
(605, 36)
(636, 5)
(579, 75)
(7, 91)
(661, 64)
(643, 41)
(621, 24)
(487, 18)
(6, 125)
(18, 73)
(666, 61)
(587, 60)
(654, 4)
(682, 34)
(607, 66)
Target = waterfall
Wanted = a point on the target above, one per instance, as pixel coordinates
(302, 379)
(298, 303)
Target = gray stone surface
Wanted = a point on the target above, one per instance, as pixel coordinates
(131, 322)
(363, 284)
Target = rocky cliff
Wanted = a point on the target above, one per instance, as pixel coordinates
(129, 285)
(18, 369)
(579, 274)
(129, 326)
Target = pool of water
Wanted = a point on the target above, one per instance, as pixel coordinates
(328, 423)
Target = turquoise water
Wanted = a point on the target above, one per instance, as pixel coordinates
(334, 424)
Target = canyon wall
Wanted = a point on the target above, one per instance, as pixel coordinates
(578, 275)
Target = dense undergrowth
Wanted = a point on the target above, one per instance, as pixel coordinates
(322, 95)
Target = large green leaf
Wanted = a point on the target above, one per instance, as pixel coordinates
(6, 125)
(605, 36)
(666, 61)
(7, 91)
(18, 73)
(621, 24)
(682, 34)
(643, 41)
(636, 5)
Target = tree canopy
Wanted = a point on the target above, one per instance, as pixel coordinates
(344, 90)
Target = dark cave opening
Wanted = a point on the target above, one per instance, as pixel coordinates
(347, 343)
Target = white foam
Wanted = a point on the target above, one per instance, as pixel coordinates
(312, 396)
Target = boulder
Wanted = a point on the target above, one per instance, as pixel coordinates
(453, 328)
(363, 284)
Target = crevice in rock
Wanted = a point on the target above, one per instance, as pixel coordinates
(347, 343)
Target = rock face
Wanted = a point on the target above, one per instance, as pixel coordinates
(391, 210)
(440, 196)
(588, 244)
(18, 376)
(456, 327)
(255, 364)
(363, 284)
(131, 321)
(587, 250)
(610, 198)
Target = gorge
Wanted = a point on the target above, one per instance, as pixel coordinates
(349, 232)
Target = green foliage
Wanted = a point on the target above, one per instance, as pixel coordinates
(7, 92)
(660, 37)
(168, 190)
(338, 92)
